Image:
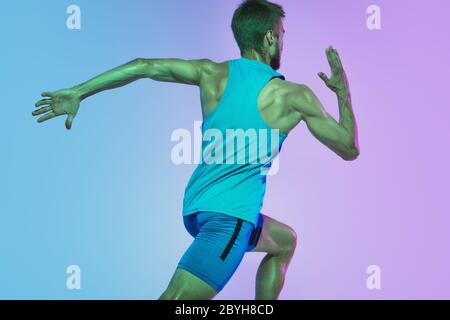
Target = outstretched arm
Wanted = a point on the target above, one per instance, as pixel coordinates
(340, 136)
(169, 70)
(67, 101)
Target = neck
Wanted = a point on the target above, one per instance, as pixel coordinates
(253, 55)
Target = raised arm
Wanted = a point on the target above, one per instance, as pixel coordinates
(340, 136)
(67, 101)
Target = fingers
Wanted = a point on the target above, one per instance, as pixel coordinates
(333, 59)
(43, 102)
(46, 117)
(47, 94)
(324, 77)
(337, 59)
(69, 121)
(327, 81)
(41, 111)
(328, 53)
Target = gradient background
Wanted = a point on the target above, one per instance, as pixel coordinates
(106, 196)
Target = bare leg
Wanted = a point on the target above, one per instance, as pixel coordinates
(186, 286)
(279, 241)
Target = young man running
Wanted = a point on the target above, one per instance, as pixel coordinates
(224, 196)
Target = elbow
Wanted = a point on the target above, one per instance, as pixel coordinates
(142, 63)
(139, 61)
(351, 154)
(141, 67)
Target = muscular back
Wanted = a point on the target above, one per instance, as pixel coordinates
(272, 104)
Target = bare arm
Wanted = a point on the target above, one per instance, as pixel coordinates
(67, 101)
(340, 136)
(168, 70)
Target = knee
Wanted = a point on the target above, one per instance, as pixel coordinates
(290, 243)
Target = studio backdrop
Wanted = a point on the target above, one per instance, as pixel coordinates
(102, 202)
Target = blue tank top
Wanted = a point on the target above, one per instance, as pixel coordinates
(237, 147)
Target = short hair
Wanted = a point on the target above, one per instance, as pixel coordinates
(251, 21)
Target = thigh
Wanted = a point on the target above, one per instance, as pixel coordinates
(274, 237)
(187, 286)
(218, 248)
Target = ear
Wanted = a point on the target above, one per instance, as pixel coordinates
(270, 36)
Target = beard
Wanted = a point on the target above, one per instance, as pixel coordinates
(275, 61)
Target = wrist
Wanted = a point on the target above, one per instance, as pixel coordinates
(343, 94)
(78, 92)
(344, 99)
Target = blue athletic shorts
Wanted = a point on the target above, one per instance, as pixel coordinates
(220, 242)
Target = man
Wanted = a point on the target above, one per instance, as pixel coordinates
(222, 200)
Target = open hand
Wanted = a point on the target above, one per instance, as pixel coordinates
(338, 81)
(65, 101)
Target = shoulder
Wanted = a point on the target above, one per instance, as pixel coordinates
(296, 97)
(285, 90)
(213, 72)
(209, 66)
